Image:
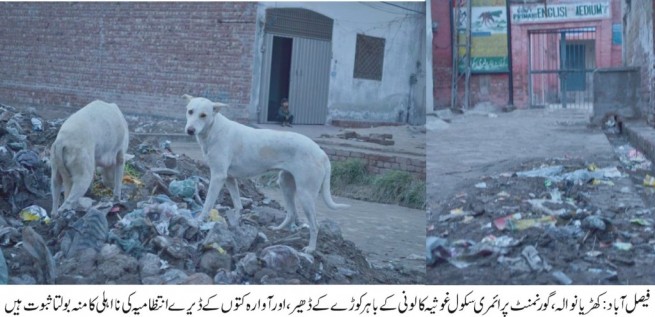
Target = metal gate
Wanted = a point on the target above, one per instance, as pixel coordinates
(310, 80)
(560, 67)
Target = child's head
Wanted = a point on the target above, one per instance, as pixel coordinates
(284, 102)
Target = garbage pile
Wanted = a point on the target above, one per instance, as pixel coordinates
(24, 170)
(553, 222)
(152, 236)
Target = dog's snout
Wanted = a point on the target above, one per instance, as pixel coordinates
(191, 131)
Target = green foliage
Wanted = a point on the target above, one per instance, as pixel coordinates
(351, 178)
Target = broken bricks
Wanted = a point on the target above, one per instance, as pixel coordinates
(378, 138)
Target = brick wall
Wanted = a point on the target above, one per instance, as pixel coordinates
(142, 56)
(378, 163)
(442, 62)
(639, 48)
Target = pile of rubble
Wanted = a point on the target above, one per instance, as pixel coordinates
(377, 138)
(152, 236)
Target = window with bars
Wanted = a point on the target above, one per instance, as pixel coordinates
(369, 57)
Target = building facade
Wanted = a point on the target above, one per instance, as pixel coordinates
(341, 62)
(553, 47)
(336, 62)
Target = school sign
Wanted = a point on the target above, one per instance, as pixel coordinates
(560, 12)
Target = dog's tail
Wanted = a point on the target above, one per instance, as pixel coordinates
(325, 189)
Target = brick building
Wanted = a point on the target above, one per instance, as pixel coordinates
(547, 38)
(353, 62)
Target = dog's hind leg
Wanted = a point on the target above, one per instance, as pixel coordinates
(307, 200)
(55, 188)
(108, 176)
(233, 189)
(118, 170)
(81, 184)
(288, 187)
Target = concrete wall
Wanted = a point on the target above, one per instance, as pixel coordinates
(638, 48)
(615, 93)
(353, 99)
(142, 56)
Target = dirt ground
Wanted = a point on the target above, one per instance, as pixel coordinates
(586, 220)
(152, 238)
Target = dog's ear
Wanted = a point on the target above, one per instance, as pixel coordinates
(218, 106)
(188, 97)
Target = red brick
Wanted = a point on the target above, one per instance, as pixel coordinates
(142, 56)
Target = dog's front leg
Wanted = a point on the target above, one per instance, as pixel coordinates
(215, 184)
(233, 188)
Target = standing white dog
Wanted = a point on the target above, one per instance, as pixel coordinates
(233, 150)
(95, 135)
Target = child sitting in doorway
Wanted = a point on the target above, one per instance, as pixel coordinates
(284, 114)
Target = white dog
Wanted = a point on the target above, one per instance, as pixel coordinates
(95, 135)
(233, 150)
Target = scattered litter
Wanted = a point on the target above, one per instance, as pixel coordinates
(542, 172)
(515, 222)
(481, 185)
(623, 246)
(649, 181)
(536, 263)
(4, 271)
(641, 222)
(561, 278)
(632, 158)
(463, 253)
(184, 188)
(597, 182)
(27, 158)
(128, 179)
(594, 223)
(554, 174)
(578, 221)
(34, 213)
(37, 125)
(35, 246)
(503, 194)
(504, 222)
(593, 254)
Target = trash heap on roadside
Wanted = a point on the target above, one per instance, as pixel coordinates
(559, 221)
(152, 236)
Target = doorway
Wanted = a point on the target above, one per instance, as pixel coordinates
(296, 65)
(280, 74)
